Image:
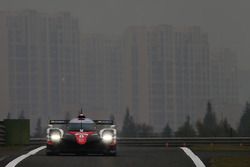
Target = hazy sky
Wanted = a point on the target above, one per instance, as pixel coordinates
(226, 21)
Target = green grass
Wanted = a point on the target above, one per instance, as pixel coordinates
(226, 161)
(218, 148)
(243, 161)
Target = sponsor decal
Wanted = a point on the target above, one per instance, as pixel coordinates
(81, 137)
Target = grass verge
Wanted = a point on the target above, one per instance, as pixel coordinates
(243, 161)
(217, 155)
(220, 148)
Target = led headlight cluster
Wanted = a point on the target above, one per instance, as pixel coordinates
(55, 137)
(107, 137)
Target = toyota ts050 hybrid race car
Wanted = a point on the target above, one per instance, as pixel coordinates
(81, 135)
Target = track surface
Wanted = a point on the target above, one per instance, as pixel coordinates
(127, 156)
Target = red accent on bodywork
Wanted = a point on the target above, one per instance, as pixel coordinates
(81, 137)
(113, 143)
(49, 142)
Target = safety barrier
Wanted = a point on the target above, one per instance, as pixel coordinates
(2, 134)
(187, 141)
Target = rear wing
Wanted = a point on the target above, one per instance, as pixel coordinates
(104, 122)
(98, 122)
(58, 122)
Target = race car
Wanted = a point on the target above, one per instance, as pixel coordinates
(81, 136)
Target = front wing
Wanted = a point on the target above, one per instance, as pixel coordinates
(68, 144)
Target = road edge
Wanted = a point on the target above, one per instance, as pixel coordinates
(197, 161)
(17, 160)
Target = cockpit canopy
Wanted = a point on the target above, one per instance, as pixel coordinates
(81, 124)
(86, 127)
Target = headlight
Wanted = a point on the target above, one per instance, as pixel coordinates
(107, 137)
(55, 137)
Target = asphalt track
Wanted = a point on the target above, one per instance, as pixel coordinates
(127, 157)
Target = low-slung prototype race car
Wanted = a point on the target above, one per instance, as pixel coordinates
(81, 135)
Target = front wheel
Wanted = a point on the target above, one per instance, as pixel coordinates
(111, 153)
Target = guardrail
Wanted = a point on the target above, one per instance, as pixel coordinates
(187, 141)
(2, 134)
(175, 141)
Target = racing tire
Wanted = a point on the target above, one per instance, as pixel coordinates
(111, 153)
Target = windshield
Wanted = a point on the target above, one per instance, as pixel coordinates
(85, 126)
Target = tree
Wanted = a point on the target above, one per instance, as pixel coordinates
(38, 129)
(244, 126)
(200, 128)
(21, 116)
(208, 127)
(9, 115)
(186, 130)
(129, 127)
(167, 131)
(210, 117)
(144, 130)
(225, 129)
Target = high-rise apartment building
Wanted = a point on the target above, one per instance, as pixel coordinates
(149, 70)
(40, 54)
(191, 73)
(224, 84)
(135, 70)
(166, 74)
(4, 84)
(101, 76)
(162, 74)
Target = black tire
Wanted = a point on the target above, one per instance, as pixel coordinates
(111, 153)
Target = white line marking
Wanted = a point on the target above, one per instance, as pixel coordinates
(194, 157)
(22, 157)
